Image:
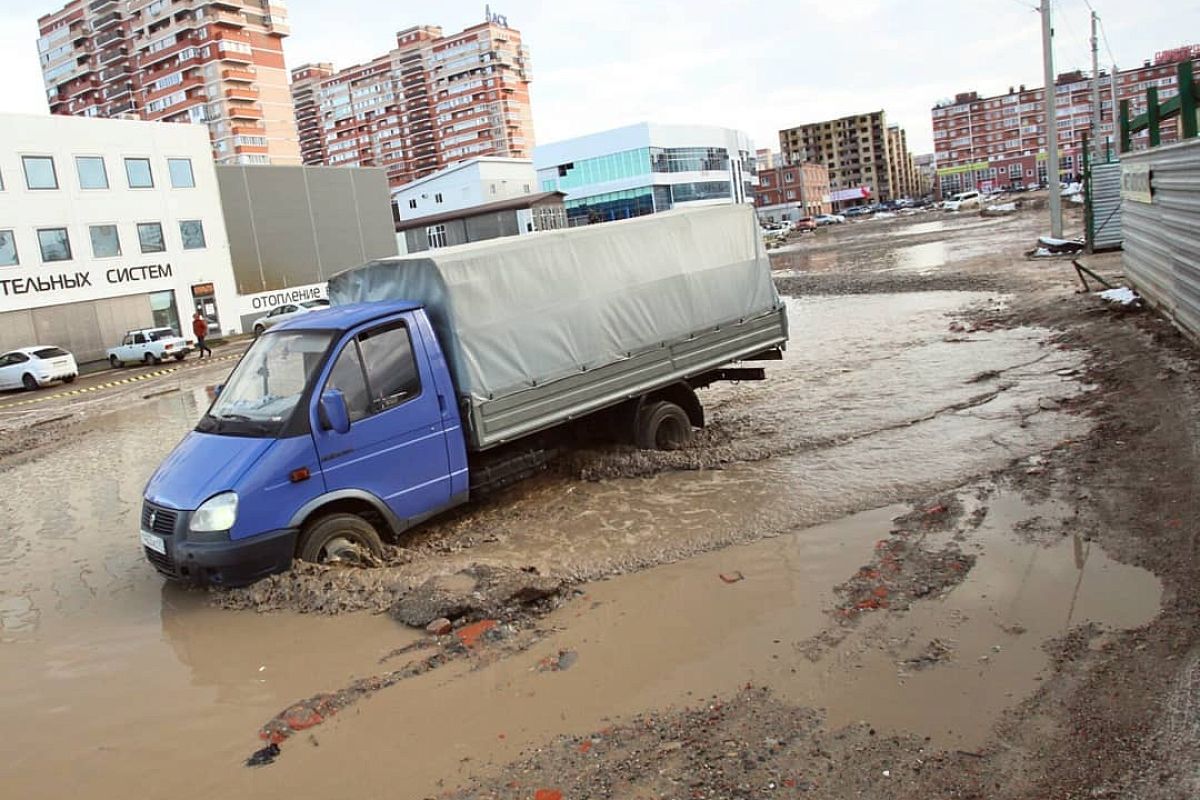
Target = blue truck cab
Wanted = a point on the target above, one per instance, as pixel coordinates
(333, 429)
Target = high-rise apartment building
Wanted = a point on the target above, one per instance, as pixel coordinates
(903, 169)
(857, 150)
(305, 79)
(217, 62)
(432, 101)
(998, 142)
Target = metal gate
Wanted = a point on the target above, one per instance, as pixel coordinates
(1104, 206)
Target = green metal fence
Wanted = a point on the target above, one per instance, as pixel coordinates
(1183, 105)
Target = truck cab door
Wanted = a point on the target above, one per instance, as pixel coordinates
(395, 448)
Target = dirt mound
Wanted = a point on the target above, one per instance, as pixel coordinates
(883, 283)
(750, 745)
(316, 589)
(902, 571)
(478, 592)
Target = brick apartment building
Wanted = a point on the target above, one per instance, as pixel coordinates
(432, 101)
(997, 142)
(799, 188)
(860, 150)
(308, 116)
(218, 62)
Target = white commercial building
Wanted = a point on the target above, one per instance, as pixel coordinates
(480, 181)
(644, 168)
(107, 226)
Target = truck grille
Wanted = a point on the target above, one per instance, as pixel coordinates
(157, 519)
(162, 563)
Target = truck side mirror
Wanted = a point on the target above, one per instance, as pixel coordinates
(332, 411)
(217, 389)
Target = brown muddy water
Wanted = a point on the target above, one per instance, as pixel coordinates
(113, 682)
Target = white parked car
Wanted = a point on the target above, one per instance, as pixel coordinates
(286, 312)
(829, 219)
(31, 367)
(150, 346)
(962, 201)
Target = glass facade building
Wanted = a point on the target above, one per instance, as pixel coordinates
(605, 178)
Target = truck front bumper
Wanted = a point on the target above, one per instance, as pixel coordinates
(227, 563)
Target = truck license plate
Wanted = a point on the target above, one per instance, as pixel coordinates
(155, 543)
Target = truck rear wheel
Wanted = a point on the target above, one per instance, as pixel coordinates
(340, 539)
(662, 426)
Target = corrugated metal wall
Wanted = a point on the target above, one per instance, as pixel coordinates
(294, 226)
(1162, 238)
(1105, 192)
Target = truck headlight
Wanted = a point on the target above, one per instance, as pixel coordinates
(217, 513)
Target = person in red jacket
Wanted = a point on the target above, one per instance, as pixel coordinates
(200, 328)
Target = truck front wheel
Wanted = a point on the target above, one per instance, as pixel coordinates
(662, 426)
(340, 539)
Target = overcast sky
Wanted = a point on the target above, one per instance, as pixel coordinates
(759, 66)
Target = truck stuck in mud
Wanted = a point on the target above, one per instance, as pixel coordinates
(439, 376)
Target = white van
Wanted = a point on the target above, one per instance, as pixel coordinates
(962, 201)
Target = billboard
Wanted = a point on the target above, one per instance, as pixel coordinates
(857, 193)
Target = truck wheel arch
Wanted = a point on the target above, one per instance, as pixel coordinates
(351, 501)
(682, 395)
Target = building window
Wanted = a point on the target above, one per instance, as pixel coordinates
(412, 203)
(150, 237)
(162, 309)
(39, 172)
(181, 173)
(8, 250)
(55, 244)
(436, 236)
(137, 170)
(691, 192)
(191, 231)
(106, 242)
(92, 174)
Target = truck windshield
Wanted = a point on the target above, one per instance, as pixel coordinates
(268, 382)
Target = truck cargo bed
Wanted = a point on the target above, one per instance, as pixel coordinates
(493, 422)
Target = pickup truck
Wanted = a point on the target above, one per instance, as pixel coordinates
(438, 376)
(149, 346)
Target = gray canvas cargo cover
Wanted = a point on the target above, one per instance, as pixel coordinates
(518, 312)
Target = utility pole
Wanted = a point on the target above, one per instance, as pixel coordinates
(1097, 144)
(1112, 139)
(1056, 227)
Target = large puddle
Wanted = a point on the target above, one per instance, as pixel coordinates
(113, 681)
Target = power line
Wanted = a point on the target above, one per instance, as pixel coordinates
(1107, 46)
(1075, 38)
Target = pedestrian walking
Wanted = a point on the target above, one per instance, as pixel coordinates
(200, 328)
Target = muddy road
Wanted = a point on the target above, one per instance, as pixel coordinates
(946, 549)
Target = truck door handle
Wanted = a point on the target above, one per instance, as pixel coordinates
(442, 402)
